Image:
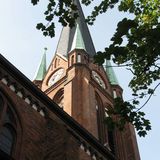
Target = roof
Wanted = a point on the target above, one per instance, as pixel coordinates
(110, 72)
(42, 68)
(15, 75)
(67, 35)
(78, 42)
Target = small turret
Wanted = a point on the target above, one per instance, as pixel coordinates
(41, 70)
(117, 90)
(110, 72)
(78, 42)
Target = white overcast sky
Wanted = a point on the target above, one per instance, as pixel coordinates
(23, 46)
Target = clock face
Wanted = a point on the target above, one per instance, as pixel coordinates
(98, 79)
(55, 77)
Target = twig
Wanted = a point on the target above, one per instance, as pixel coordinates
(148, 97)
(125, 65)
(130, 70)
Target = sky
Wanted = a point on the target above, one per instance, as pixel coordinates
(23, 45)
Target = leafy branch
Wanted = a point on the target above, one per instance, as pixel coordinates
(151, 94)
(125, 113)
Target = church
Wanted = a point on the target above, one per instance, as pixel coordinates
(60, 115)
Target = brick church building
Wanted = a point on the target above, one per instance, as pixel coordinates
(60, 115)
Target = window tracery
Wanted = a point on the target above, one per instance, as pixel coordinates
(8, 127)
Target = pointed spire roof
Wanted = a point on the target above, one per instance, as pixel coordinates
(42, 68)
(78, 42)
(68, 34)
(110, 72)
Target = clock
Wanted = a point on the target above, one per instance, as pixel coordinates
(55, 77)
(98, 79)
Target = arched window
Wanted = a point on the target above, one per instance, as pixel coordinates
(8, 127)
(79, 58)
(59, 98)
(106, 136)
(100, 120)
(114, 94)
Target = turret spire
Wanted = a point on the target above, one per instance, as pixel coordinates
(78, 42)
(42, 68)
(110, 72)
(65, 44)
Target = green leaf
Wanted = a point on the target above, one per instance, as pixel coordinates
(34, 2)
(39, 26)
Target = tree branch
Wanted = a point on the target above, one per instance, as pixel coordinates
(125, 65)
(148, 97)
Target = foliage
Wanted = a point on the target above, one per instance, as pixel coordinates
(125, 112)
(136, 44)
(62, 9)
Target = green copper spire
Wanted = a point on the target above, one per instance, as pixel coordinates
(42, 68)
(78, 42)
(110, 72)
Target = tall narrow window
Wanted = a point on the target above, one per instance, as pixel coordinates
(72, 59)
(79, 58)
(8, 127)
(114, 94)
(100, 120)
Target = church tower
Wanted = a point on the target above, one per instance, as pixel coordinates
(85, 90)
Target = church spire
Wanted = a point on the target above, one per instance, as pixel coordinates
(78, 42)
(42, 68)
(65, 44)
(110, 72)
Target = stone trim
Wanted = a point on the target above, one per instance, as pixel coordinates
(27, 98)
